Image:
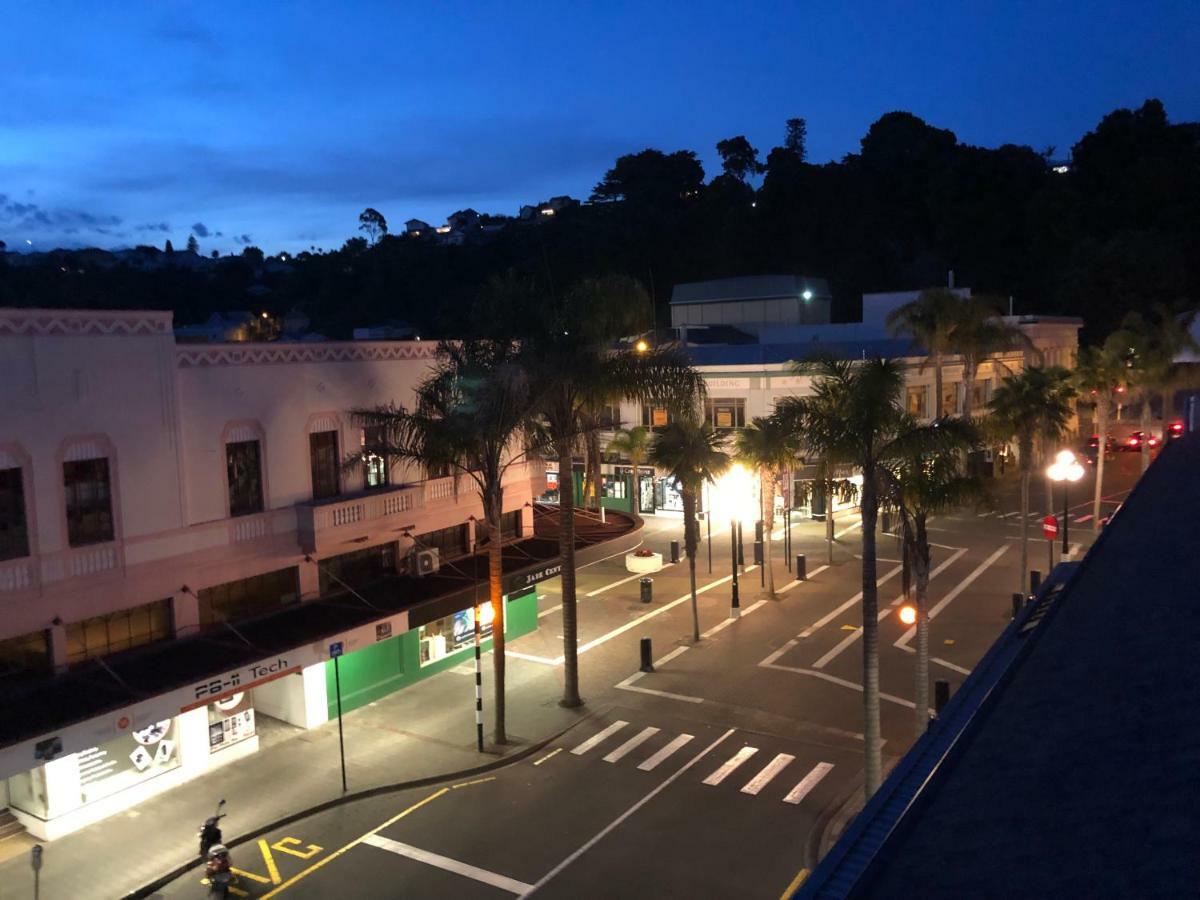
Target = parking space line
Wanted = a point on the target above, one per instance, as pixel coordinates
(654, 761)
(769, 771)
(599, 736)
(628, 685)
(833, 679)
(601, 590)
(817, 571)
(808, 782)
(795, 885)
(958, 589)
(726, 768)
(450, 865)
(829, 617)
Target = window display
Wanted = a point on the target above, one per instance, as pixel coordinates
(127, 760)
(448, 635)
(229, 721)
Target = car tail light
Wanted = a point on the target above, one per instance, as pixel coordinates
(1133, 442)
(1177, 427)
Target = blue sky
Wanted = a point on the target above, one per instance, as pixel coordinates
(276, 123)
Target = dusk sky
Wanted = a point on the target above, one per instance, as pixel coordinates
(277, 123)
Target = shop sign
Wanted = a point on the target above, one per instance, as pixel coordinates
(241, 678)
(790, 381)
(727, 384)
(383, 631)
(517, 582)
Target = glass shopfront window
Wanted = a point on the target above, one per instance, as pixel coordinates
(445, 636)
(668, 495)
(230, 721)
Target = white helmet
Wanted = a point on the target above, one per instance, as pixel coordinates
(217, 850)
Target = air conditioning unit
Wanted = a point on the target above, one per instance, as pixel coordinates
(427, 562)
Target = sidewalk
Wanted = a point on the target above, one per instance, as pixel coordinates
(424, 731)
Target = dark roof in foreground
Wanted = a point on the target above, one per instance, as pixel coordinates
(1069, 763)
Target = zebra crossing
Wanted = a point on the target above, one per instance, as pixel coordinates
(622, 742)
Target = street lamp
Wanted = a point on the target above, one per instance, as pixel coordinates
(641, 346)
(908, 614)
(1065, 469)
(734, 497)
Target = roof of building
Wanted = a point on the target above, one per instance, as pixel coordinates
(768, 354)
(748, 287)
(1066, 765)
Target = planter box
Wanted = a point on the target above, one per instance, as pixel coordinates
(643, 565)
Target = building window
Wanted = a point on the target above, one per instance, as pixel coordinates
(105, 635)
(326, 473)
(981, 392)
(248, 597)
(357, 569)
(14, 532)
(89, 502)
(609, 416)
(725, 413)
(449, 542)
(245, 478)
(375, 456)
(510, 524)
(949, 399)
(29, 654)
(915, 403)
(655, 416)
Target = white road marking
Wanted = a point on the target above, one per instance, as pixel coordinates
(1081, 519)
(503, 882)
(829, 617)
(632, 744)
(725, 623)
(726, 768)
(600, 736)
(1074, 551)
(628, 685)
(833, 679)
(770, 660)
(654, 761)
(949, 665)
(769, 771)
(817, 571)
(958, 589)
(615, 823)
(807, 783)
(1010, 515)
(528, 657)
(618, 583)
(857, 524)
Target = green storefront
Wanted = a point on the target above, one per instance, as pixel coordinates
(379, 669)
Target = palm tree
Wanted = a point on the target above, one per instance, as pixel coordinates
(767, 445)
(474, 414)
(929, 320)
(632, 443)
(1149, 346)
(567, 351)
(855, 414)
(1034, 404)
(690, 451)
(923, 479)
(977, 332)
(1098, 373)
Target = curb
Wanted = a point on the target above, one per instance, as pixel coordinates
(148, 890)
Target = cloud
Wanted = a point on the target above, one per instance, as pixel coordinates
(154, 226)
(244, 239)
(200, 229)
(34, 217)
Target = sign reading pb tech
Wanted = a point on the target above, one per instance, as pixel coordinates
(240, 679)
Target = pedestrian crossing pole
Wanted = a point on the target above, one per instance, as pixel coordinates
(478, 670)
(735, 606)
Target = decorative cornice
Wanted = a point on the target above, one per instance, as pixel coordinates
(74, 322)
(249, 354)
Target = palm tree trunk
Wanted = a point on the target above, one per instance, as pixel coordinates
(921, 564)
(566, 551)
(829, 517)
(1026, 473)
(496, 589)
(937, 385)
(970, 368)
(635, 489)
(689, 543)
(870, 613)
(1144, 424)
(1102, 429)
(767, 489)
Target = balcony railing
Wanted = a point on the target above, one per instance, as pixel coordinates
(320, 521)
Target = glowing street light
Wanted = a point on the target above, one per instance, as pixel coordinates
(908, 614)
(734, 495)
(1065, 469)
(641, 346)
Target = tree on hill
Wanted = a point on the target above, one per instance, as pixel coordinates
(738, 158)
(168, 247)
(372, 224)
(193, 245)
(796, 139)
(652, 178)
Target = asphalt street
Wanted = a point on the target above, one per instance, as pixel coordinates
(711, 776)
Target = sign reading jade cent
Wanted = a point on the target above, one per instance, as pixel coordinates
(1049, 528)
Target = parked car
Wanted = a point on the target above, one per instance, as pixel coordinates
(1133, 443)
(1175, 430)
(1089, 452)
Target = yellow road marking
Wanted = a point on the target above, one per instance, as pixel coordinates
(795, 885)
(238, 891)
(948, 642)
(354, 843)
(849, 628)
(548, 755)
(286, 845)
(250, 875)
(270, 861)
(476, 781)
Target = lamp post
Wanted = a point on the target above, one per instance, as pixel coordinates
(1065, 469)
(735, 606)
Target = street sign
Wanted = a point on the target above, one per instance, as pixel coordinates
(35, 857)
(335, 649)
(1049, 528)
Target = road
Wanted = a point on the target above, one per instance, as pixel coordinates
(713, 775)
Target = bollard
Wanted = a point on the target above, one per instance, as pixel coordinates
(647, 666)
(674, 551)
(1018, 601)
(886, 522)
(758, 530)
(801, 568)
(758, 553)
(941, 695)
(1035, 581)
(647, 589)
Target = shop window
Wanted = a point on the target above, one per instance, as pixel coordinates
(615, 486)
(949, 399)
(723, 414)
(915, 402)
(89, 502)
(654, 416)
(449, 542)
(122, 630)
(244, 465)
(357, 569)
(28, 653)
(14, 530)
(230, 721)
(248, 597)
(326, 470)
(445, 636)
(375, 456)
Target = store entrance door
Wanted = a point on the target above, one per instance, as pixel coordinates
(645, 494)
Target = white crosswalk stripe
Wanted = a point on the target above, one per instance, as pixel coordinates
(600, 737)
(726, 768)
(808, 782)
(769, 771)
(633, 743)
(657, 759)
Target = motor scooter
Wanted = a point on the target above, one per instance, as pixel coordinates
(219, 870)
(210, 831)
